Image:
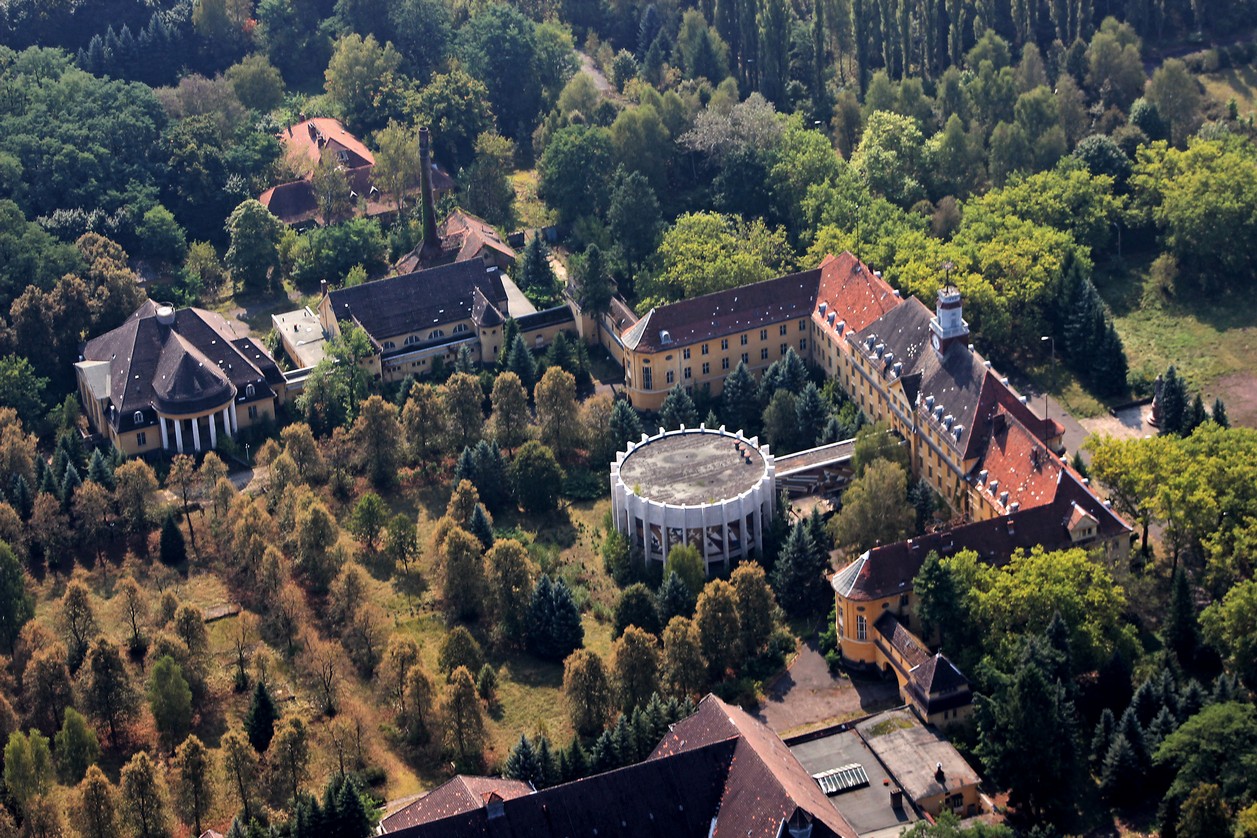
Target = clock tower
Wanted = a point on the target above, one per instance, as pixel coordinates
(947, 326)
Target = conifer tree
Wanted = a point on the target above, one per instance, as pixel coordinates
(1172, 404)
(1182, 631)
(678, 409)
(259, 724)
(626, 424)
(1102, 739)
(480, 527)
(173, 549)
(99, 470)
(1121, 774)
(1196, 416)
(521, 763)
(798, 576)
(740, 401)
(811, 415)
(1218, 414)
(674, 599)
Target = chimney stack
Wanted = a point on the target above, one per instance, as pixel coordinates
(430, 240)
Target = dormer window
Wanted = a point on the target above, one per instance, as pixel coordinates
(460, 328)
(342, 156)
(139, 417)
(436, 333)
(249, 391)
(410, 339)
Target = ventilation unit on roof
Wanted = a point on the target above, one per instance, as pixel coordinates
(1025, 400)
(986, 364)
(1004, 381)
(877, 274)
(958, 430)
(948, 419)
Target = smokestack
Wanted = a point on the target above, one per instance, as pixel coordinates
(430, 240)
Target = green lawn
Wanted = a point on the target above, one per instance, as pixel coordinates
(1238, 83)
(1210, 338)
(529, 209)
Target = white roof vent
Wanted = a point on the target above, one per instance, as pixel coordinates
(929, 401)
(948, 419)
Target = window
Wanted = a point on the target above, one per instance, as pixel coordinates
(388, 344)
(671, 376)
(436, 333)
(802, 343)
(685, 353)
(861, 628)
(802, 325)
(783, 349)
(648, 382)
(253, 411)
(724, 363)
(744, 340)
(138, 418)
(782, 330)
(763, 354)
(704, 349)
(249, 391)
(724, 343)
(746, 359)
(687, 372)
(342, 156)
(706, 368)
(763, 334)
(141, 439)
(460, 328)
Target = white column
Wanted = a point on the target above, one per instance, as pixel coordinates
(227, 421)
(179, 435)
(213, 434)
(165, 443)
(196, 434)
(235, 425)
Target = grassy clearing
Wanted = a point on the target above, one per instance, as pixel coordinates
(529, 209)
(1208, 337)
(1238, 83)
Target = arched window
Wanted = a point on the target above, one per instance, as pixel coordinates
(249, 391)
(139, 417)
(388, 344)
(412, 339)
(436, 333)
(461, 327)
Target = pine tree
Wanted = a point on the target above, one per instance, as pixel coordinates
(626, 424)
(675, 599)
(510, 331)
(1162, 726)
(173, 549)
(536, 275)
(798, 576)
(547, 763)
(553, 628)
(20, 497)
(811, 414)
(1121, 774)
(521, 763)
(260, 721)
(1218, 414)
(678, 410)
(480, 527)
(465, 362)
(1191, 700)
(521, 362)
(1182, 631)
(1196, 415)
(99, 470)
(1172, 403)
(69, 484)
(1102, 739)
(740, 401)
(487, 683)
(1129, 728)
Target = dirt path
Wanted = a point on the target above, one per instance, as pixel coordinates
(601, 82)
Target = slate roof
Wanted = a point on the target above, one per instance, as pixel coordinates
(483, 312)
(938, 675)
(716, 773)
(291, 203)
(195, 364)
(901, 640)
(458, 796)
(545, 317)
(725, 312)
(417, 301)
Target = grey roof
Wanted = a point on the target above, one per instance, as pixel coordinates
(194, 364)
(420, 300)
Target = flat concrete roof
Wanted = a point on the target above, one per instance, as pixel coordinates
(692, 468)
(867, 809)
(913, 753)
(302, 336)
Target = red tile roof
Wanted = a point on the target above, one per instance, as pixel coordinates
(302, 147)
(849, 288)
(1016, 462)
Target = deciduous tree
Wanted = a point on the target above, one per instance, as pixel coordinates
(587, 690)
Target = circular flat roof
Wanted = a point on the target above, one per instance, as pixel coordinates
(692, 468)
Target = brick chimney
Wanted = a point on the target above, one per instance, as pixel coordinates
(431, 242)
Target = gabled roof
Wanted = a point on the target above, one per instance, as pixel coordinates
(189, 366)
(463, 236)
(1016, 462)
(418, 301)
(301, 144)
(765, 785)
(857, 295)
(483, 312)
(463, 793)
(938, 675)
(291, 203)
(725, 312)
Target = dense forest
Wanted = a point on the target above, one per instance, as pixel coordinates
(424, 573)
